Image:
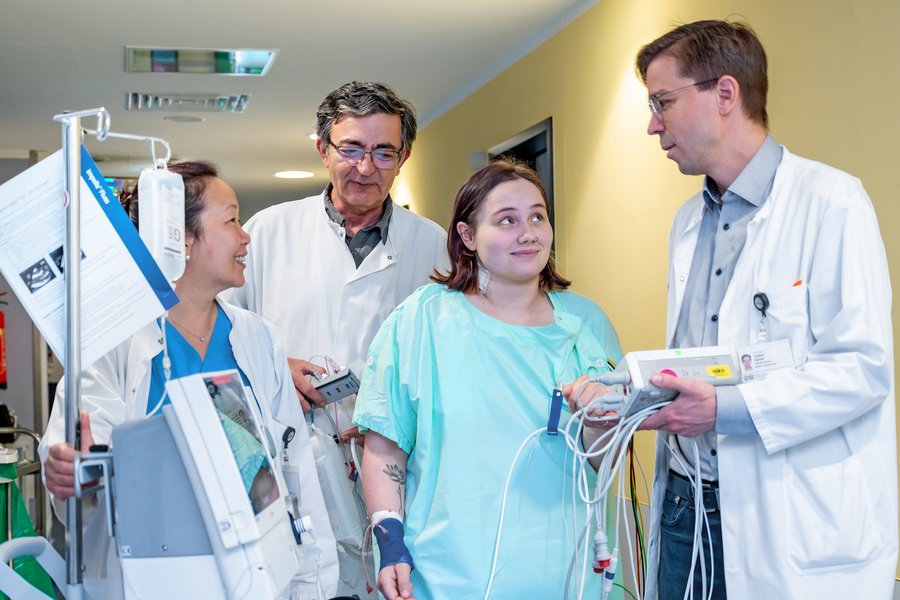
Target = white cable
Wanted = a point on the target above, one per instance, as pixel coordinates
(611, 448)
(167, 367)
(611, 445)
(571, 528)
(354, 456)
(322, 356)
(700, 519)
(487, 591)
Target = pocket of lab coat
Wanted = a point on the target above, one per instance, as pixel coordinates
(788, 319)
(830, 517)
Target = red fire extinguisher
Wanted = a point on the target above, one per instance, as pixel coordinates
(2, 346)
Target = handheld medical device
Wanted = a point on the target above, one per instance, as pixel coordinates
(337, 385)
(222, 527)
(715, 365)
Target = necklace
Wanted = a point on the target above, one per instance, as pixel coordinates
(202, 338)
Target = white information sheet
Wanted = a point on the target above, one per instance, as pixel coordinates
(122, 289)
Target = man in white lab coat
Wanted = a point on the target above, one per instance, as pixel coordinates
(328, 269)
(780, 258)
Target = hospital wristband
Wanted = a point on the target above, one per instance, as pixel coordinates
(380, 515)
(389, 533)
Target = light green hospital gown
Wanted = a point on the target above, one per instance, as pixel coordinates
(459, 391)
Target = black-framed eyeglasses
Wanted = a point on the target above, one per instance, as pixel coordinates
(655, 101)
(382, 158)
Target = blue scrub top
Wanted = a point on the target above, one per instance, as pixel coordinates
(186, 361)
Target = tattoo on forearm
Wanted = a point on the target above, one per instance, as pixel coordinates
(398, 476)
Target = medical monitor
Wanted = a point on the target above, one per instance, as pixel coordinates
(230, 459)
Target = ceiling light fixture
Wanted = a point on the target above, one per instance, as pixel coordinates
(294, 174)
(214, 61)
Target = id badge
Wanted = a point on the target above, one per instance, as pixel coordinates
(758, 360)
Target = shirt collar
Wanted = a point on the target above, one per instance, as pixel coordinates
(754, 183)
(381, 224)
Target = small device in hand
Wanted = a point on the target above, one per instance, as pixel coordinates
(337, 385)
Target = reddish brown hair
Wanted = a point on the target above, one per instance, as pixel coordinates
(463, 275)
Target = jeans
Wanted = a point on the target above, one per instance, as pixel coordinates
(677, 544)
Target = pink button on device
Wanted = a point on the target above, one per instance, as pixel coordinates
(669, 372)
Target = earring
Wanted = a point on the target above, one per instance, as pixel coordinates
(187, 257)
(484, 278)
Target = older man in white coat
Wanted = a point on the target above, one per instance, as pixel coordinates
(328, 269)
(781, 258)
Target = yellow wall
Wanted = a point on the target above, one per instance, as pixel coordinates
(834, 96)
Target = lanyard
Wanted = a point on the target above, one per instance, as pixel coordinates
(761, 303)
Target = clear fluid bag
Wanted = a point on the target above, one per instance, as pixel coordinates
(161, 218)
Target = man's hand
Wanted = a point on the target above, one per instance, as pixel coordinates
(393, 581)
(588, 392)
(692, 413)
(59, 468)
(306, 391)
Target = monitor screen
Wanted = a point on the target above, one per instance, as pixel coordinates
(226, 390)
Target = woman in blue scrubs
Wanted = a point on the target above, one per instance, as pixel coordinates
(202, 335)
(197, 329)
(458, 377)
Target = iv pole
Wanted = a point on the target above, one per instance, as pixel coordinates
(71, 142)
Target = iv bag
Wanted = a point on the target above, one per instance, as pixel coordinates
(161, 218)
(346, 521)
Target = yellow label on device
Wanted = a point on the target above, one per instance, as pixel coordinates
(719, 371)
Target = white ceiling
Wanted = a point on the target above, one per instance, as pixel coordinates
(58, 55)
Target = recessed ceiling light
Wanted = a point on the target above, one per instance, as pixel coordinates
(294, 174)
(215, 61)
(183, 119)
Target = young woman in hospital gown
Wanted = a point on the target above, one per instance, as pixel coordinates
(457, 378)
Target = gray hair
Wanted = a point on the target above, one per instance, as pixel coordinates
(360, 99)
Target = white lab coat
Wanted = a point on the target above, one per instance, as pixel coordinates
(301, 276)
(115, 389)
(809, 505)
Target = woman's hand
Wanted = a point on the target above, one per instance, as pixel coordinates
(59, 467)
(352, 433)
(581, 393)
(393, 581)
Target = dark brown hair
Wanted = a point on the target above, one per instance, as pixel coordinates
(196, 176)
(463, 275)
(707, 50)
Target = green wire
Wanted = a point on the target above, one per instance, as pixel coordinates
(626, 590)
